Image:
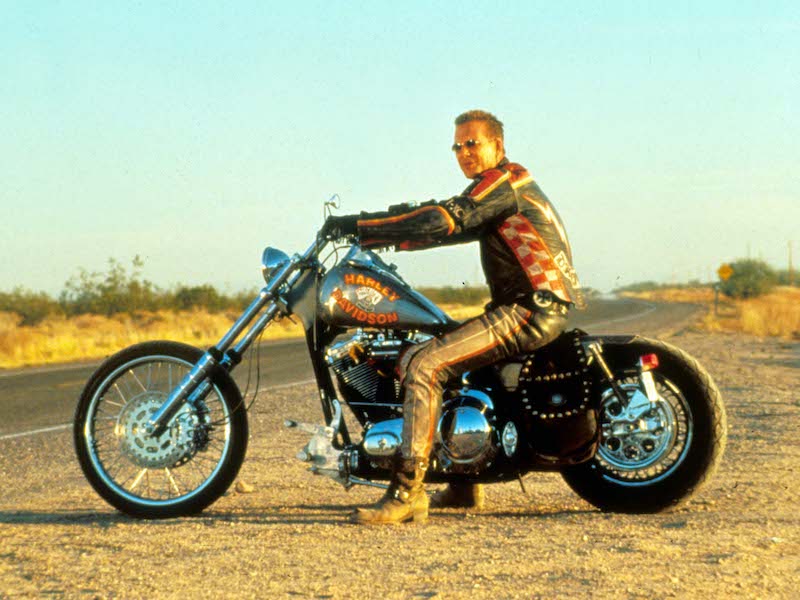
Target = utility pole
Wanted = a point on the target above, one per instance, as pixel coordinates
(791, 272)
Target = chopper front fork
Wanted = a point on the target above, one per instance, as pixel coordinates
(195, 385)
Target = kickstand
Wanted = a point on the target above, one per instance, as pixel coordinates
(522, 484)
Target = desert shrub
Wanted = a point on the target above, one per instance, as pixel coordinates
(122, 290)
(207, 296)
(590, 292)
(32, 307)
(639, 286)
(650, 286)
(750, 278)
(786, 278)
(116, 291)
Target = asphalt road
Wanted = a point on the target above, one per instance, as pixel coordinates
(40, 400)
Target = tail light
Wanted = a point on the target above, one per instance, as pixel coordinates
(648, 362)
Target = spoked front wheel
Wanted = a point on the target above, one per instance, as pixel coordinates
(178, 473)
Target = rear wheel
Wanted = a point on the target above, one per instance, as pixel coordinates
(655, 460)
(185, 469)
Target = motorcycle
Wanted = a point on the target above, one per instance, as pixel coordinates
(632, 424)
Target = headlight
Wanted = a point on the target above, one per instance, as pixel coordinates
(272, 261)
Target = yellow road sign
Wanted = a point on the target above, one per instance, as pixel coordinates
(724, 272)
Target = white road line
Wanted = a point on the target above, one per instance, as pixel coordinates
(11, 436)
(23, 371)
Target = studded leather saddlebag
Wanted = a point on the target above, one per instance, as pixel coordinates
(559, 406)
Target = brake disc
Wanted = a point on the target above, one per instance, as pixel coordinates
(171, 447)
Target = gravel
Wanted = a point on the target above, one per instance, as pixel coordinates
(283, 532)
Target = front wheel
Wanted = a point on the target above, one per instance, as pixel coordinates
(659, 459)
(184, 470)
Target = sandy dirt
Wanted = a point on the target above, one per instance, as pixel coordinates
(289, 537)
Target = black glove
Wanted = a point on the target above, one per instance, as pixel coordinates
(338, 227)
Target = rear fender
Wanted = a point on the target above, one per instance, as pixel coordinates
(608, 339)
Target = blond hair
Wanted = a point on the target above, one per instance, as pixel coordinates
(493, 123)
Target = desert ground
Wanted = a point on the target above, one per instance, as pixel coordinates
(285, 533)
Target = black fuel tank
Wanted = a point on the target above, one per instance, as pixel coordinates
(363, 291)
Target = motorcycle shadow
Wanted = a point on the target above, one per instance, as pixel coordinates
(330, 514)
(333, 514)
(63, 517)
(299, 514)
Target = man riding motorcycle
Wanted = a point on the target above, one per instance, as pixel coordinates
(527, 262)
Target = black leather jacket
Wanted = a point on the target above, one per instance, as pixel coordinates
(524, 246)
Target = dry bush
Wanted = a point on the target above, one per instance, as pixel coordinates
(64, 339)
(11, 335)
(701, 295)
(775, 314)
(9, 321)
(60, 339)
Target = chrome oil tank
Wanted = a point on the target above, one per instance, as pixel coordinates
(363, 291)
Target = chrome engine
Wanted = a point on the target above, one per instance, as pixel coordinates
(465, 434)
(464, 440)
(364, 368)
(364, 364)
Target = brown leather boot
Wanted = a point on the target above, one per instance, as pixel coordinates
(460, 495)
(405, 500)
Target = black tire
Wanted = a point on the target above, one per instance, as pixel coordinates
(190, 465)
(679, 466)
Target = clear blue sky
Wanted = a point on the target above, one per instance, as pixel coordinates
(194, 133)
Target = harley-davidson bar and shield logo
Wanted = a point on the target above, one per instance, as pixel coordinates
(369, 282)
(363, 310)
(368, 295)
(367, 298)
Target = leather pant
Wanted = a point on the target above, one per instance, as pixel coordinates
(500, 332)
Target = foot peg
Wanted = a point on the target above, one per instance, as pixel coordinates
(319, 450)
(319, 444)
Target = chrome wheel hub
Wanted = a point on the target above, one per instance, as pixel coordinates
(175, 444)
(647, 443)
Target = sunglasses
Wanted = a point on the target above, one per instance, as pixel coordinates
(468, 144)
